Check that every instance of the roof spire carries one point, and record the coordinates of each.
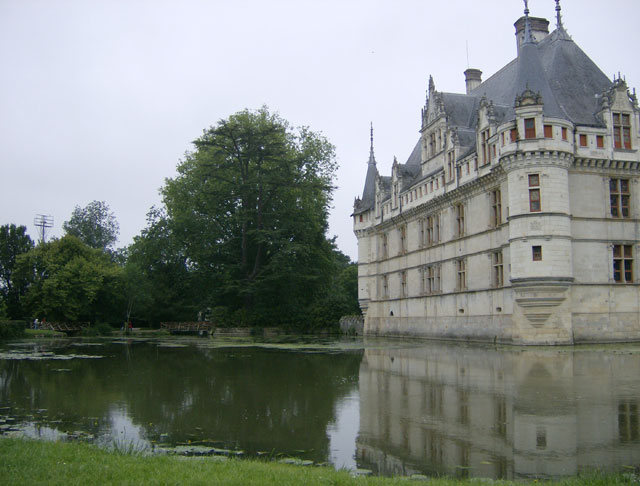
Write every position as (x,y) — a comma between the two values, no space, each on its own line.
(372,159)
(558,16)
(528,37)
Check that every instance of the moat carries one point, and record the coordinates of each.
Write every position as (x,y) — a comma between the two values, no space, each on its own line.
(394,407)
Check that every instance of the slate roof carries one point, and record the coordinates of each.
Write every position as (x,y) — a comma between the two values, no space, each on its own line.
(569,82)
(567,79)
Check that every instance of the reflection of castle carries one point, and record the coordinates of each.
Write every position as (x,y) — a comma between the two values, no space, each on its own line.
(493,413)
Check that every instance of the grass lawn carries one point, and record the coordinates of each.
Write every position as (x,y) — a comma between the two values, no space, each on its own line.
(30,462)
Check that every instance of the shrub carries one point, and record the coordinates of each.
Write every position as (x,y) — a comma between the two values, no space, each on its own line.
(12,329)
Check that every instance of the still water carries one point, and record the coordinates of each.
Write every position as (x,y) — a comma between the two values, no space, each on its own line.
(394,407)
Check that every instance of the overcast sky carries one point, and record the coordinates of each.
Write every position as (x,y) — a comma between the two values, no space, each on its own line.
(99,99)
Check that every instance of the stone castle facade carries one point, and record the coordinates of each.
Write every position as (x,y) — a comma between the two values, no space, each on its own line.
(516,217)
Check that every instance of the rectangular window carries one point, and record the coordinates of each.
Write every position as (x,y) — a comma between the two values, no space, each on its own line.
(536,253)
(431,279)
(384,246)
(530,128)
(548,131)
(498,274)
(403,284)
(620,197)
(513,133)
(621,130)
(599,141)
(385,286)
(451,164)
(461,266)
(623,263)
(459,208)
(403,239)
(583,140)
(628,421)
(564,133)
(496,207)
(484,144)
(534,193)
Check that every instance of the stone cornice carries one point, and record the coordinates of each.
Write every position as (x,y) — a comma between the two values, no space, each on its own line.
(607,165)
(549,158)
(465,191)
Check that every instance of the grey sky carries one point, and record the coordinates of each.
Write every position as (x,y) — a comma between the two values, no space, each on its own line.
(99,99)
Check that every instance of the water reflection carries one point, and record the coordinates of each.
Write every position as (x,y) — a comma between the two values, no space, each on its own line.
(508,413)
(395,407)
(253,399)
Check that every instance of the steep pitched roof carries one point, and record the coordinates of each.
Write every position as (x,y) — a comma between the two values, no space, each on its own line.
(566,78)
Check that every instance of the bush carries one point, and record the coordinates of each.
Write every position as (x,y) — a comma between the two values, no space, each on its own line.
(101,329)
(12,329)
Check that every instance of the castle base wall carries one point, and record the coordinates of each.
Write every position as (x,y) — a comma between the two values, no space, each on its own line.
(579,314)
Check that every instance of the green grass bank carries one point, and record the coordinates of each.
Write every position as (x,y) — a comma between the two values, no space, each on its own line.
(30,462)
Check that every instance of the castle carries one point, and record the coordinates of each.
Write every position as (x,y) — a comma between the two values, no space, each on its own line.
(516,217)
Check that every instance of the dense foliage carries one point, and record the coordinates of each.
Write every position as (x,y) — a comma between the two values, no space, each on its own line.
(14,241)
(94,224)
(240,240)
(12,329)
(68,281)
(243,232)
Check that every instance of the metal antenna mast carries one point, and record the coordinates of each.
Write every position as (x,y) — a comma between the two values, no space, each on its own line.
(43,222)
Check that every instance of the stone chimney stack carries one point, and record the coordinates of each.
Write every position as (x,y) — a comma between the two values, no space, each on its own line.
(539,29)
(473,78)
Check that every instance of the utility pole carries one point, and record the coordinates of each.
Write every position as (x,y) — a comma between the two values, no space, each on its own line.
(43,223)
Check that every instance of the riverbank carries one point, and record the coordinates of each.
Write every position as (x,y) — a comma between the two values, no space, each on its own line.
(51,463)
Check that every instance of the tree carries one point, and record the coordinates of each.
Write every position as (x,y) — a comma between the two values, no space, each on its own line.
(14,241)
(71,282)
(248,210)
(94,224)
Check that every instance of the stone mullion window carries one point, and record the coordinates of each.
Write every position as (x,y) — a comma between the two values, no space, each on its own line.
(623,263)
(620,197)
(498,269)
(535,204)
(496,208)
(622,130)
(403,284)
(460,215)
(461,268)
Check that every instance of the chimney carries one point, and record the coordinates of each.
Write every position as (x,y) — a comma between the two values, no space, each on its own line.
(473,78)
(539,29)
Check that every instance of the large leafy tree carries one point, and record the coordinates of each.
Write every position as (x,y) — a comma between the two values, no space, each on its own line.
(14,241)
(249,211)
(95,225)
(69,281)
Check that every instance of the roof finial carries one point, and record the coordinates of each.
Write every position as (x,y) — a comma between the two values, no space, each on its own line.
(558,16)
(528,38)
(372,159)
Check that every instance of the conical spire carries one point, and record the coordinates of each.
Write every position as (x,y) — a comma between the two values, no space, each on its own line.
(369,192)
(372,158)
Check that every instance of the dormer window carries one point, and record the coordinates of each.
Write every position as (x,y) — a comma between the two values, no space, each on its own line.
(530,128)
(622,130)
(484,142)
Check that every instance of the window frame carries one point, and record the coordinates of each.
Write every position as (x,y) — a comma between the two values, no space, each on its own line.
(529,128)
(496,208)
(536,253)
(461,269)
(621,130)
(623,263)
(460,219)
(497,261)
(535,196)
(619,198)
